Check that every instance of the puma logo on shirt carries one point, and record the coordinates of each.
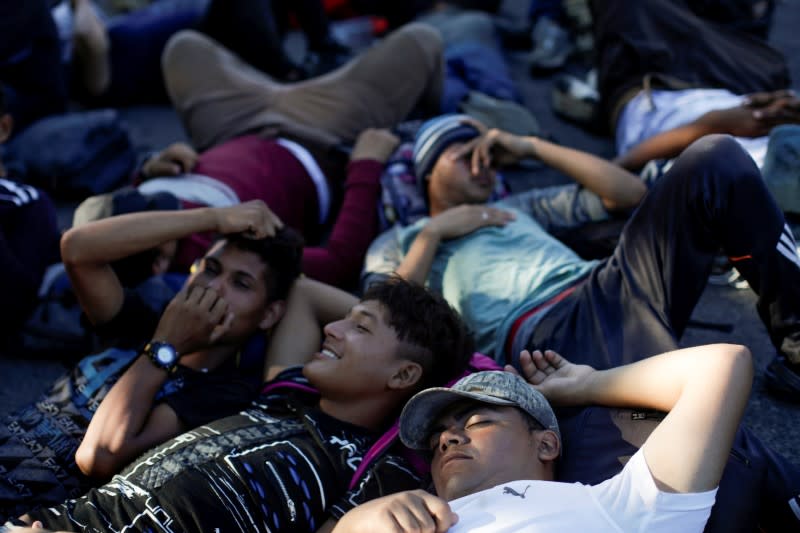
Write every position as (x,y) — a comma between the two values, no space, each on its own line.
(509,490)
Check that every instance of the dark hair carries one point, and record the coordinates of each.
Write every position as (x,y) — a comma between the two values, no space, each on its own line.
(431,330)
(281,254)
(2,100)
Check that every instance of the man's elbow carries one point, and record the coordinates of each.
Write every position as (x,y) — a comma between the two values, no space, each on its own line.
(628,199)
(743,363)
(737,362)
(71,247)
(95,462)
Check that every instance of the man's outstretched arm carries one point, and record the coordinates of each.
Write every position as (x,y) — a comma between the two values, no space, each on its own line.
(704,389)
(617,188)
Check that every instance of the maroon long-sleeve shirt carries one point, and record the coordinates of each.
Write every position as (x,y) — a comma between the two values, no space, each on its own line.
(258,168)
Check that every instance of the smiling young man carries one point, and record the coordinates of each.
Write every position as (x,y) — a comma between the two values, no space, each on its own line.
(494,442)
(285,463)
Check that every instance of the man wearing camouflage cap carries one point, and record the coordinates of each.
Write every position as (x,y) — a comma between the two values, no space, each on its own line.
(494,441)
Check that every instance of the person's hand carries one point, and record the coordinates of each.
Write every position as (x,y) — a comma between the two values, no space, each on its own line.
(459,221)
(561,382)
(775,108)
(377,144)
(253,219)
(175,159)
(756,116)
(195,318)
(412,511)
(739,121)
(495,148)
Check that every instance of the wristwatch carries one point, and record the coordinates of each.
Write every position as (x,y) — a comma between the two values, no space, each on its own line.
(163,355)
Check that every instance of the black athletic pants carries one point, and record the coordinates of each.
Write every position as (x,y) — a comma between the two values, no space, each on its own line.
(639,301)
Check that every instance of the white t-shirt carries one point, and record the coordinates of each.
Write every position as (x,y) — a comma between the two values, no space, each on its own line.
(657,111)
(630,501)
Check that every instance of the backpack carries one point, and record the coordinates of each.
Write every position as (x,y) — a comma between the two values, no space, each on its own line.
(74,155)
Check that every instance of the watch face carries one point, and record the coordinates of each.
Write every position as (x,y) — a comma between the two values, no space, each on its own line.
(165,355)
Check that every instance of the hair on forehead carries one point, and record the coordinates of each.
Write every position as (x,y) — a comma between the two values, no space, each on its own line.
(430,331)
(281,254)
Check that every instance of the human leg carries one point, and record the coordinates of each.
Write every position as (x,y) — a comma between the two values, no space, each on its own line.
(218,96)
(639,302)
(91,48)
(136,43)
(377,89)
(31,70)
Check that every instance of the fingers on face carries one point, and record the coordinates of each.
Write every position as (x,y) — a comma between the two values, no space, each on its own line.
(217,305)
(208,299)
(466,150)
(482,155)
(221,328)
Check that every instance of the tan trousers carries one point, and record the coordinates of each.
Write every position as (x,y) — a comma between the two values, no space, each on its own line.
(219,97)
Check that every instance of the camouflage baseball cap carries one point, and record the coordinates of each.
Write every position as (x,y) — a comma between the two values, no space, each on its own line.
(494,387)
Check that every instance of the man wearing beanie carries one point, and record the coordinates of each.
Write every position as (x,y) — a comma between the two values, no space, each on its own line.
(494,442)
(519,288)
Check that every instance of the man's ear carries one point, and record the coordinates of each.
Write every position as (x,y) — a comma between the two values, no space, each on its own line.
(272,314)
(405,376)
(6,126)
(549,446)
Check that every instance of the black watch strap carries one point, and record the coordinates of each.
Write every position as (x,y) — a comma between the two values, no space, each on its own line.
(163,355)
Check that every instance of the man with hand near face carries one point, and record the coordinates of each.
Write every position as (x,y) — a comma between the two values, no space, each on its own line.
(494,441)
(167,373)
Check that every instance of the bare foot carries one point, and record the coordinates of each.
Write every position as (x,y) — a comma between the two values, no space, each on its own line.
(91,47)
